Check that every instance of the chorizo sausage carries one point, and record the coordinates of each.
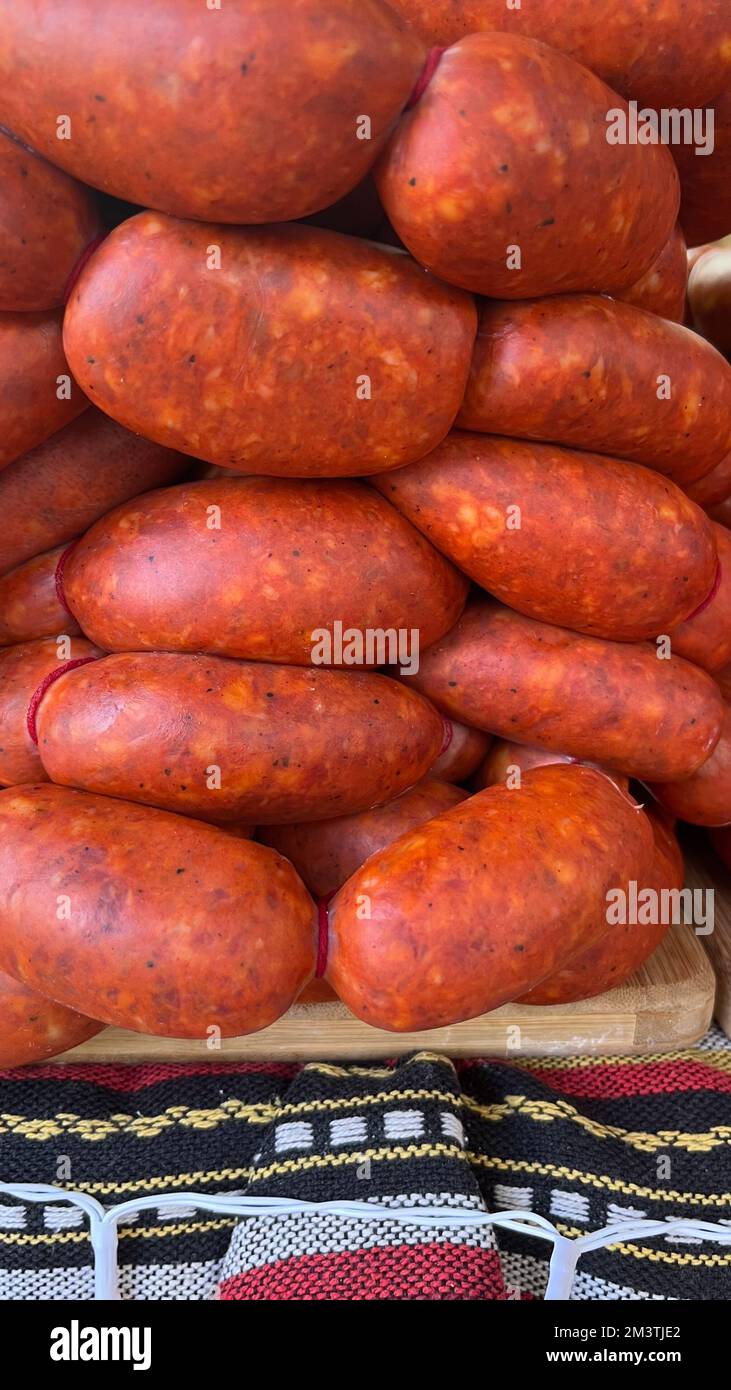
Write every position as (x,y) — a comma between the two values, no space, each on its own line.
(33,1028)
(614,703)
(22,670)
(705,637)
(627,945)
(598,374)
(464,752)
(589,542)
(37,392)
(704,798)
(55,492)
(235,741)
(661,290)
(506,762)
(229,112)
(715,487)
(660,54)
(256,567)
(29,602)
(709,297)
(327,852)
(47,221)
(169,926)
(305,353)
(533,868)
(485,179)
(705,180)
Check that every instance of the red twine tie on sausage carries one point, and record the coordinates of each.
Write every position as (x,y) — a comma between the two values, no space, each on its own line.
(433,59)
(710,596)
(37,696)
(85,256)
(447,739)
(58,578)
(323,927)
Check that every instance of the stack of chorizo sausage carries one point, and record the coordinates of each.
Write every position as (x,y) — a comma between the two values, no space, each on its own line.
(365,465)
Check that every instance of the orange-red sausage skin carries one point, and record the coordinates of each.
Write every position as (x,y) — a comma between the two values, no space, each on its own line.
(715,486)
(231,112)
(22,669)
(173,927)
(54,493)
(33,1028)
(304,354)
(705,637)
(614,703)
(595,373)
(326,853)
(563,536)
(506,762)
(48,220)
(235,741)
(704,798)
(639,48)
(29,603)
(287,559)
(661,290)
(33,371)
(625,946)
(531,867)
(485,179)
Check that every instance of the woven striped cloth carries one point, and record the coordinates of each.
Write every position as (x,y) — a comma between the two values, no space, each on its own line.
(583,1142)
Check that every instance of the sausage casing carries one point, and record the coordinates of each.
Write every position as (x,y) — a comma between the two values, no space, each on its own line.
(235,741)
(325,853)
(627,945)
(260,111)
(54,493)
(148,920)
(302,352)
(533,868)
(29,602)
(252,567)
(615,703)
(564,536)
(598,374)
(37,392)
(22,669)
(485,179)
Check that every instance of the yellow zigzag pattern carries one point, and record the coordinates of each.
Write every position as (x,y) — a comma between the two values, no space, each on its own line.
(538,1111)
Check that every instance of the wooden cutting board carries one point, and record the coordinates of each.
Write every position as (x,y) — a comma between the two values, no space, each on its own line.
(666,1006)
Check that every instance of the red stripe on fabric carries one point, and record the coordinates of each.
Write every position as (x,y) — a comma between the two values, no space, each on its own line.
(621,1080)
(435,1271)
(642,1079)
(130,1078)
